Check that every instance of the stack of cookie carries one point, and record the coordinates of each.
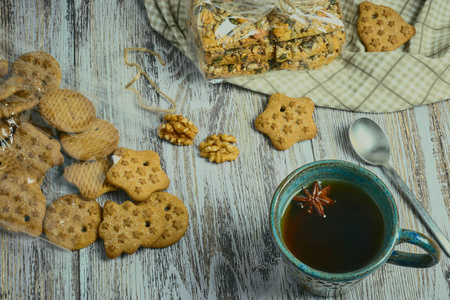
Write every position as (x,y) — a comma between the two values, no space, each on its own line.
(230,43)
(27,152)
(157,220)
(126,227)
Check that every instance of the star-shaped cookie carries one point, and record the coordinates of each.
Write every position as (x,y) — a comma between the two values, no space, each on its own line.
(381,28)
(287,121)
(138,173)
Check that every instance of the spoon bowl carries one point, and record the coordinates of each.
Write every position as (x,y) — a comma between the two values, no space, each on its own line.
(369,141)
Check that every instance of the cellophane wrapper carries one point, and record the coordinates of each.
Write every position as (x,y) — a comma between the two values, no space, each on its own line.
(232,38)
(33,158)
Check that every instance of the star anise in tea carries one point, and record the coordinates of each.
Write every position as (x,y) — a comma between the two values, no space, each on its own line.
(317,200)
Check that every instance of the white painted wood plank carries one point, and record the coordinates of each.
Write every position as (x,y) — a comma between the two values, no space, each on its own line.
(32,268)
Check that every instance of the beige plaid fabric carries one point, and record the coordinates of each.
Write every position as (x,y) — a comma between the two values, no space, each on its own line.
(415,74)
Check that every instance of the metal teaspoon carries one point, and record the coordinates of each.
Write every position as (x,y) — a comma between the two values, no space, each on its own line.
(371,144)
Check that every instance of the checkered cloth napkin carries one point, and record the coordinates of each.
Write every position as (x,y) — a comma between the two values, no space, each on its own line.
(415,74)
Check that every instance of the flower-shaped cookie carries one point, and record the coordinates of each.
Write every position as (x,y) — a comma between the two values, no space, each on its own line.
(138,173)
(287,121)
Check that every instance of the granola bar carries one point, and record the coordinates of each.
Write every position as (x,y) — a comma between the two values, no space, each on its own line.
(311,21)
(302,48)
(221,25)
(310,63)
(254,53)
(227,71)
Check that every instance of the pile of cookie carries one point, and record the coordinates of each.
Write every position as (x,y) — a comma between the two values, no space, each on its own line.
(27,152)
(236,38)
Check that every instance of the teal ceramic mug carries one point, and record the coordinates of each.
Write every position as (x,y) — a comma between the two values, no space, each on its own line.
(331,284)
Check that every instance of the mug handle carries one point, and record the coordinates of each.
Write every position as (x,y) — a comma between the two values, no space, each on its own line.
(405,259)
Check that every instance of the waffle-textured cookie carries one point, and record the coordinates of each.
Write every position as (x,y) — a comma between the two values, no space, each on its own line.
(22,203)
(138,173)
(8,162)
(381,28)
(287,121)
(35,71)
(98,141)
(175,215)
(33,150)
(6,132)
(90,177)
(17,103)
(72,222)
(67,110)
(3,67)
(127,227)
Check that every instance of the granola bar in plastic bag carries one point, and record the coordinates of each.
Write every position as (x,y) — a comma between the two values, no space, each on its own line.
(241,38)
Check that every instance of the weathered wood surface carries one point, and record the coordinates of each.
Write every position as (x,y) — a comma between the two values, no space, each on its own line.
(227,251)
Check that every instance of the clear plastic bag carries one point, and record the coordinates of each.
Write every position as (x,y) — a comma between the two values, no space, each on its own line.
(58,143)
(30,142)
(53,147)
(241,38)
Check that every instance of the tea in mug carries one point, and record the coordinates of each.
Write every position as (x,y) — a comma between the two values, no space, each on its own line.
(348,237)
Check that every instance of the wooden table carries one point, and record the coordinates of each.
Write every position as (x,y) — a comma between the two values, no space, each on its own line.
(227,251)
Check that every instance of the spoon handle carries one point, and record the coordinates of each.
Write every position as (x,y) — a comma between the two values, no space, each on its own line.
(423,214)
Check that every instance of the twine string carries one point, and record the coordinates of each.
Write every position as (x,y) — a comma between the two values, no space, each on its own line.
(138,75)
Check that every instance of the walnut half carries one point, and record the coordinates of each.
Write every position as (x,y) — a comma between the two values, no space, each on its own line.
(218,148)
(178,130)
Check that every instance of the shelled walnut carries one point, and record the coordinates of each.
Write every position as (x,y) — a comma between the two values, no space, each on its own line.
(178,130)
(218,148)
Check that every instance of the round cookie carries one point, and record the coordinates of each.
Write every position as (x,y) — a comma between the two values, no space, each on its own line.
(36,71)
(39,68)
(22,203)
(127,227)
(98,141)
(67,110)
(72,222)
(175,214)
